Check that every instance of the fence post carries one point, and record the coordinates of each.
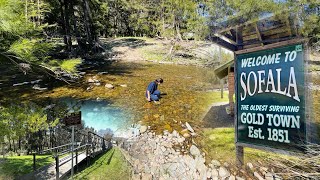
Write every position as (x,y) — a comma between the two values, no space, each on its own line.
(34,161)
(87,157)
(76,160)
(57,167)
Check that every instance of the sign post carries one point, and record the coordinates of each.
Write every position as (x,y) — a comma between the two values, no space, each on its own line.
(271,99)
(72,120)
(72,144)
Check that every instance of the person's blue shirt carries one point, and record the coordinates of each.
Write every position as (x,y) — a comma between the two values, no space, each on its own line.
(154,93)
(152,87)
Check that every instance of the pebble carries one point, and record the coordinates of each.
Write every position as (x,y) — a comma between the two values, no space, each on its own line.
(109,86)
(186,135)
(214,173)
(258,176)
(223,172)
(215,163)
(189,127)
(143,129)
(194,150)
(90,80)
(250,165)
(239,178)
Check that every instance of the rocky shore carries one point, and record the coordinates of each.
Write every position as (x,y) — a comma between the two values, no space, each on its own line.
(172,156)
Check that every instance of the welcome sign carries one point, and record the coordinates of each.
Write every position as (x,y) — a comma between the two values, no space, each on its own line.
(271,98)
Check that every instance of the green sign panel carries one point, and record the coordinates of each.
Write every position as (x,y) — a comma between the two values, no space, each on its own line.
(271,98)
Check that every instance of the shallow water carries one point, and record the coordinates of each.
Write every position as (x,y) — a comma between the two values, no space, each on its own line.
(189,93)
(101,115)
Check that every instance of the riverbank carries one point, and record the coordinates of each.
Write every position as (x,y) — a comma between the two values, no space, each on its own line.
(174,156)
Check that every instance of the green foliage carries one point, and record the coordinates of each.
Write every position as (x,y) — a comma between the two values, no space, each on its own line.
(19,119)
(31,50)
(69,65)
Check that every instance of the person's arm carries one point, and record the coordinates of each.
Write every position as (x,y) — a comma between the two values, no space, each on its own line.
(148,96)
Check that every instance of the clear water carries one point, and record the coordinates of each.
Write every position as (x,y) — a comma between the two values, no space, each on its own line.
(101,114)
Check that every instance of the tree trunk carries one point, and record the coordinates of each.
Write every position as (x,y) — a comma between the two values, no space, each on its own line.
(19,145)
(63,22)
(162,17)
(67,25)
(14,146)
(87,20)
(178,32)
(74,20)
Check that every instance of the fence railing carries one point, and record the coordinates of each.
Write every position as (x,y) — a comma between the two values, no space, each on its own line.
(91,144)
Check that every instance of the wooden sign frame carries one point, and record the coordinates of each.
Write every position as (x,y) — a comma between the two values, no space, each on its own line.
(72,119)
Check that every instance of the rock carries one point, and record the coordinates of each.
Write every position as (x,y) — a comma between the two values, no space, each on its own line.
(225,164)
(239,178)
(189,127)
(143,129)
(163,149)
(232,177)
(268,176)
(186,135)
(104,72)
(146,176)
(214,173)
(263,170)
(97,84)
(223,172)
(250,165)
(37,87)
(175,133)
(136,177)
(193,134)
(89,88)
(109,86)
(258,176)
(20,84)
(90,80)
(184,131)
(123,85)
(215,163)
(194,150)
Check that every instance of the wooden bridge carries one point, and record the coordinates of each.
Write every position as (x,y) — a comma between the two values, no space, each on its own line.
(70,155)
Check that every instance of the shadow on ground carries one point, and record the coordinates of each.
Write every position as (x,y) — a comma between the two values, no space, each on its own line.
(127,42)
(217,117)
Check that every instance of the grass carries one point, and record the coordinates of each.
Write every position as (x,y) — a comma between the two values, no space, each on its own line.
(70,64)
(111,165)
(15,166)
(219,144)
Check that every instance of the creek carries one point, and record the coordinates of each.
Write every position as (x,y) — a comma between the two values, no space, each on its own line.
(189,90)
